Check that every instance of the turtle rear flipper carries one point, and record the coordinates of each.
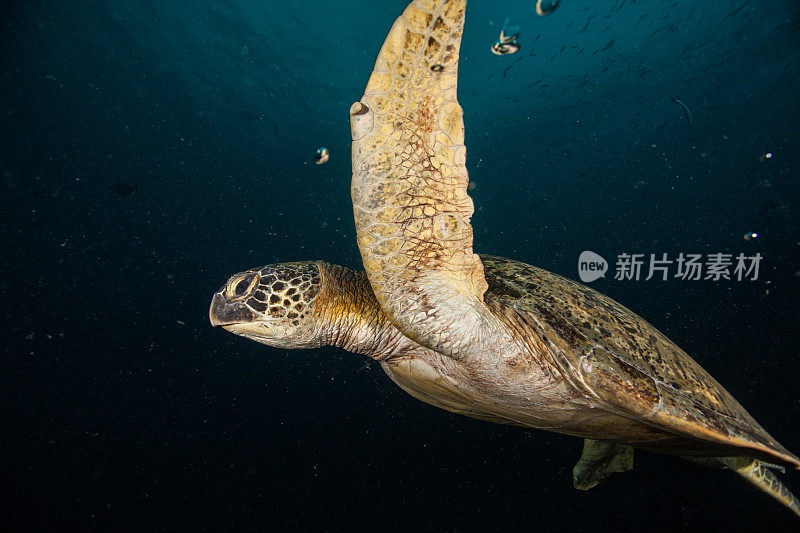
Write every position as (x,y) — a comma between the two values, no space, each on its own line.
(599,460)
(757,473)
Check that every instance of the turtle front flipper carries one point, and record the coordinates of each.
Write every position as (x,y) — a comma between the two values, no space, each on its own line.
(409,186)
(599,460)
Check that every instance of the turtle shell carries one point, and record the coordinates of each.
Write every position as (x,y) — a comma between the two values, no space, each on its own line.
(626,367)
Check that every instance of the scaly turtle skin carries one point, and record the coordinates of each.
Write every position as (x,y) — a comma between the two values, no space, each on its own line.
(486,337)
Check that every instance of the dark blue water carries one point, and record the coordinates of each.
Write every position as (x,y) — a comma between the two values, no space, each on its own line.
(151,149)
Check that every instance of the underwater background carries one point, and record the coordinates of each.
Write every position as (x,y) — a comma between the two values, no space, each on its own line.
(151,149)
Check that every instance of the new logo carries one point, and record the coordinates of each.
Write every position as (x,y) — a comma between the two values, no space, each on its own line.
(591,266)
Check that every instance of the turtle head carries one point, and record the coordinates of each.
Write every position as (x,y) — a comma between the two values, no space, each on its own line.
(272,305)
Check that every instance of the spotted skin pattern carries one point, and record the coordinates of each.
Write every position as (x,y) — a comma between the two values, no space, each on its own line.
(285,290)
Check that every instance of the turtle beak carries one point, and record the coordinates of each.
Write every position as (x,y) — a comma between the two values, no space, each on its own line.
(224,313)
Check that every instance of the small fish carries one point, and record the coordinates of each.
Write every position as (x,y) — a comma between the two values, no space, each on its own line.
(507,43)
(545,7)
(608,45)
(509,33)
(505,72)
(689,115)
(586,26)
(500,48)
(751,236)
(322,156)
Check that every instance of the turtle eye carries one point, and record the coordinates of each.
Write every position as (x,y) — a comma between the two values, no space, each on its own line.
(241,287)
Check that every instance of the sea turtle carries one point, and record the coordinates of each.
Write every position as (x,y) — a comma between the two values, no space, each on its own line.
(483,336)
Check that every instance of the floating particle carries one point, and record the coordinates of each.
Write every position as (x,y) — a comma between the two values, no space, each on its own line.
(751,236)
(322,156)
